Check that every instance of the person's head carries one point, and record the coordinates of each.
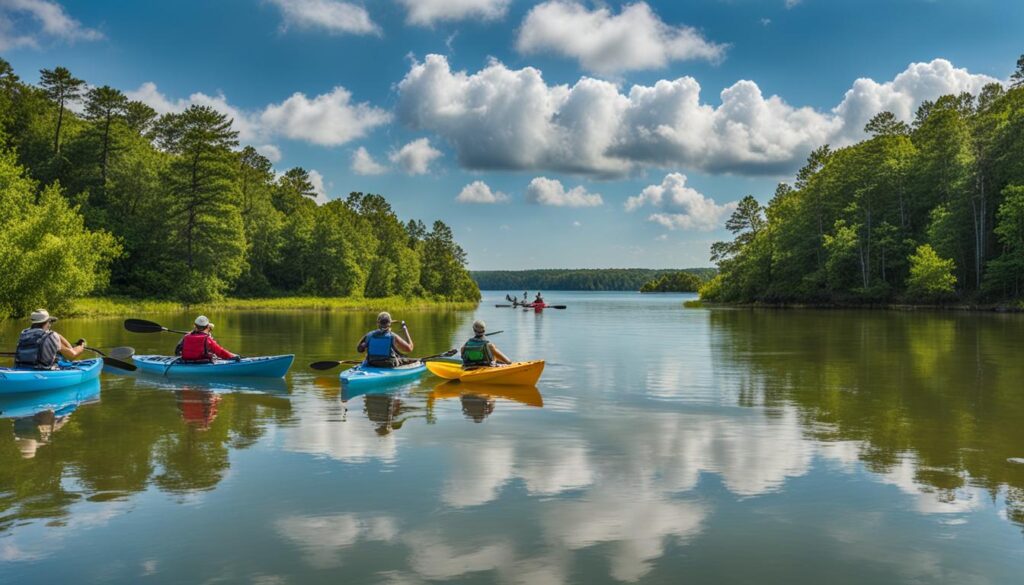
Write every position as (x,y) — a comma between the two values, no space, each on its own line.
(479,327)
(384,320)
(203,324)
(41,319)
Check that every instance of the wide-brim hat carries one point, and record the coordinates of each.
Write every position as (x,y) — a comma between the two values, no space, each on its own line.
(41,316)
(203,321)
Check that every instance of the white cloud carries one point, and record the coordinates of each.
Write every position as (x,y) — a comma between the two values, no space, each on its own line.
(634,39)
(246,123)
(415,157)
(328,119)
(480,192)
(48,19)
(429,12)
(510,119)
(545,191)
(363,163)
(685,207)
(330,15)
(270,151)
(317,180)
(792,3)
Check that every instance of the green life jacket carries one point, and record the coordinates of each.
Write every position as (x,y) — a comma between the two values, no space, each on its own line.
(477,352)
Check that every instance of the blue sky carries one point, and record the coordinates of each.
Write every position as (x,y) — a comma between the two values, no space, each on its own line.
(603,134)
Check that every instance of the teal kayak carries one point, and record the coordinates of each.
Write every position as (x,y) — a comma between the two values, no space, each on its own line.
(275,366)
(17,380)
(364,375)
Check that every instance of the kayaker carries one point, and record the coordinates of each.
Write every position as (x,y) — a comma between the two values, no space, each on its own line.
(479,351)
(383,347)
(199,346)
(40,346)
(538,300)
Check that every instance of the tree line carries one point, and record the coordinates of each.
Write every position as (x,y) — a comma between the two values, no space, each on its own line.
(677,282)
(584,279)
(121,200)
(924,212)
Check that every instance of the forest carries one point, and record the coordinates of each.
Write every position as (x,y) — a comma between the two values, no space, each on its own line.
(584,279)
(675,282)
(101,195)
(926,212)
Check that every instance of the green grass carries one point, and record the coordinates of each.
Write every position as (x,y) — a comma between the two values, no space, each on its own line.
(695,304)
(100,306)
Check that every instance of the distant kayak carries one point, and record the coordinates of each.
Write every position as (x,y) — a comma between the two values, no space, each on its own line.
(524,373)
(364,375)
(16,380)
(275,366)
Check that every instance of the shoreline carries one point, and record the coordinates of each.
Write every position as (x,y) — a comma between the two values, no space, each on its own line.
(108,306)
(902,307)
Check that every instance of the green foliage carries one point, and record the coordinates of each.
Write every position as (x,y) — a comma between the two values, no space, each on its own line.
(593,279)
(47,256)
(931,276)
(675,282)
(1006,273)
(849,227)
(195,218)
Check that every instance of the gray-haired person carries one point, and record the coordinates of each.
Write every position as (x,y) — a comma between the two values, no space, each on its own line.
(384,347)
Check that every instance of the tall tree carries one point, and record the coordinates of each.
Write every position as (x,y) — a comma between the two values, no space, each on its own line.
(139,117)
(63,89)
(102,106)
(1017,78)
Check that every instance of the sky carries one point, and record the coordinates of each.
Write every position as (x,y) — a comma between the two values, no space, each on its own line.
(551,134)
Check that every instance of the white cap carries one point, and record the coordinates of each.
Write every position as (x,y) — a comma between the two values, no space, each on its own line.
(384,318)
(203,321)
(479,326)
(41,316)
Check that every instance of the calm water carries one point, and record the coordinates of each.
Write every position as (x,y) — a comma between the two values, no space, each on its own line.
(662,445)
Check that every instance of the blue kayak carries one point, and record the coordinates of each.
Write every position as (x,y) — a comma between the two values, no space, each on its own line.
(62,401)
(17,380)
(364,375)
(275,366)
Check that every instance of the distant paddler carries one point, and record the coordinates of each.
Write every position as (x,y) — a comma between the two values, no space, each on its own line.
(479,351)
(384,347)
(199,346)
(40,347)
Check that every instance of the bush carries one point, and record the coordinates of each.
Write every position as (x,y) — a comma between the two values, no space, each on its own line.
(931,276)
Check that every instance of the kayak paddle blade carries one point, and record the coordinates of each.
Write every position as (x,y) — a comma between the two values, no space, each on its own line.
(121,353)
(142,326)
(116,363)
(324,365)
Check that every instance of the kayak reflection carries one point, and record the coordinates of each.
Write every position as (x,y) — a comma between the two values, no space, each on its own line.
(479,400)
(38,415)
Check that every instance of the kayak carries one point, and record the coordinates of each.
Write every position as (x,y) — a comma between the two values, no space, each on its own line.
(16,380)
(364,375)
(524,373)
(274,366)
(62,401)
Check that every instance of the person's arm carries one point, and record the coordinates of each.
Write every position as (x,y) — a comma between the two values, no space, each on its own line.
(498,356)
(361,348)
(404,344)
(70,351)
(219,351)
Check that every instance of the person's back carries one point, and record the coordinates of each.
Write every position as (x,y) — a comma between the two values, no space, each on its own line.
(37,348)
(199,346)
(479,352)
(382,345)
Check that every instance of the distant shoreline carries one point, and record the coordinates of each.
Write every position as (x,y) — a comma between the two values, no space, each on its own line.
(106,306)
(902,307)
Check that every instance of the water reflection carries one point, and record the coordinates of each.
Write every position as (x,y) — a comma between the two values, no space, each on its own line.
(38,415)
(478,401)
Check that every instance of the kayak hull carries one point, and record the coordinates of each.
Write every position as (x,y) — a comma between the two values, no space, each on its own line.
(275,366)
(62,401)
(19,380)
(518,373)
(364,375)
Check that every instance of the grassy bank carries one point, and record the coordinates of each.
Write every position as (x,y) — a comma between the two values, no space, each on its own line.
(101,306)
(1017,307)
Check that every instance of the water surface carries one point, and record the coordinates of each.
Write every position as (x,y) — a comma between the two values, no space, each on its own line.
(662,445)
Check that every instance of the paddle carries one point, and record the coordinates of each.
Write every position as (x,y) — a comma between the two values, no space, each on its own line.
(326,365)
(142,326)
(114,362)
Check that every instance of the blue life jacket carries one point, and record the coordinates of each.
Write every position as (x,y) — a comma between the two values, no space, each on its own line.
(379,345)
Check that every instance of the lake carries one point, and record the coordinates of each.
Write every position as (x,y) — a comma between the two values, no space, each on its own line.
(661,445)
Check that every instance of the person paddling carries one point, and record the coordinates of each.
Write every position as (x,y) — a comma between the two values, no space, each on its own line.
(479,351)
(40,347)
(538,300)
(199,346)
(383,347)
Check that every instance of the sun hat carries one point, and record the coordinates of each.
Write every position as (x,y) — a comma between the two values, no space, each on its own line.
(41,316)
(203,321)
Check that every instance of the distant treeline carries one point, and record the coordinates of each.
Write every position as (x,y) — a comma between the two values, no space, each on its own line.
(677,282)
(595,279)
(922,212)
(121,200)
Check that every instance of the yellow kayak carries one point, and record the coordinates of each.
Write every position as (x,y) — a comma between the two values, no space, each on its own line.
(528,395)
(518,373)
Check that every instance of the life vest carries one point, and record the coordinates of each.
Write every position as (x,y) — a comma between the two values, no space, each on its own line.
(36,349)
(380,349)
(477,352)
(195,348)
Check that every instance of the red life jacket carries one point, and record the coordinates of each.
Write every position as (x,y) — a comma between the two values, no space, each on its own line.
(195,348)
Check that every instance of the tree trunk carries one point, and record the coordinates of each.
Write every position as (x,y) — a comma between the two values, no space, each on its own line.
(60,121)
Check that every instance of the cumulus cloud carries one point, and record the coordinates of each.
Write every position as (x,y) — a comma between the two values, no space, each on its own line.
(270,151)
(319,187)
(23,23)
(363,163)
(511,119)
(545,191)
(330,15)
(604,42)
(415,157)
(428,12)
(480,192)
(684,207)
(328,119)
